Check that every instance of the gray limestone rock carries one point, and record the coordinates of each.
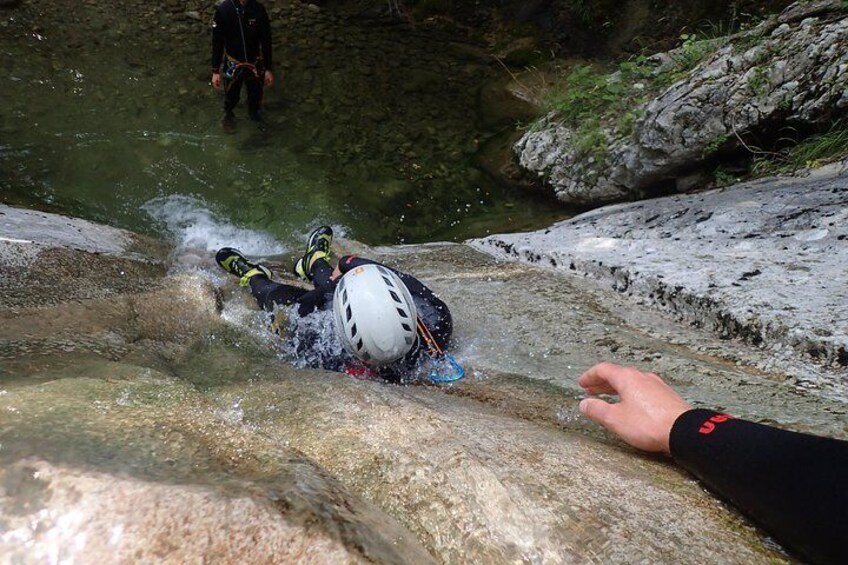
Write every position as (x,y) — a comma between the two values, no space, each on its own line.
(138,424)
(763,262)
(788,70)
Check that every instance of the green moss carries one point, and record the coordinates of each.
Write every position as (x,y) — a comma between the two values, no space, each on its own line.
(591,141)
(758,82)
(586,96)
(715,145)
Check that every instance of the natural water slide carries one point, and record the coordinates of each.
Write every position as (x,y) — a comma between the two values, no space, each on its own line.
(148,415)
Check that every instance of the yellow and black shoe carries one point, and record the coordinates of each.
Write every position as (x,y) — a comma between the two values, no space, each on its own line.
(318,247)
(232,261)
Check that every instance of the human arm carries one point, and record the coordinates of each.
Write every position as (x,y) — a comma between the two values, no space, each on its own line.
(647,410)
(792,484)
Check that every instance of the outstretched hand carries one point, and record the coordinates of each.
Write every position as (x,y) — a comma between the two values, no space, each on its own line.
(647,410)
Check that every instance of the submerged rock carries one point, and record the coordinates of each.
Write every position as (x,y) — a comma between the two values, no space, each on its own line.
(787,71)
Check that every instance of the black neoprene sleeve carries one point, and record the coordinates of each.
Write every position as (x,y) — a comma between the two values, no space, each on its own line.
(794,485)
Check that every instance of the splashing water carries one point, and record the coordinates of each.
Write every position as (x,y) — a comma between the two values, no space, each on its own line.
(194,226)
(232,414)
(312,341)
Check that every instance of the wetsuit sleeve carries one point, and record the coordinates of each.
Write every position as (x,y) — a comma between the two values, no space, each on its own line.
(218,38)
(265,39)
(794,485)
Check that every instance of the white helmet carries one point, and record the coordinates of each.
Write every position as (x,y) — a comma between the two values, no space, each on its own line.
(374,314)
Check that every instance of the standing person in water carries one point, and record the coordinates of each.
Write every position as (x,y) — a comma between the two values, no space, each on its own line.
(384,318)
(241,55)
(794,485)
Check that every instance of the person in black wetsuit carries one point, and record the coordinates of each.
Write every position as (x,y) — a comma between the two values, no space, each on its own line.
(315,266)
(241,54)
(794,485)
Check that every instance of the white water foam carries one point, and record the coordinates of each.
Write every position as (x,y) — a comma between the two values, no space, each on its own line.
(198,233)
(312,341)
(194,226)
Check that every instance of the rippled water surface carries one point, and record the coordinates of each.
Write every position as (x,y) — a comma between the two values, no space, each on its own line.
(374,127)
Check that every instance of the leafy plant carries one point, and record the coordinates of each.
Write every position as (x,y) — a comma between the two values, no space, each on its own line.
(811,153)
(585,96)
(715,145)
(695,47)
(591,141)
(758,82)
(724,177)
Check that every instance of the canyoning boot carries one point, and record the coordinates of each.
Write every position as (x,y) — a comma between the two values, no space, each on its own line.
(318,247)
(232,261)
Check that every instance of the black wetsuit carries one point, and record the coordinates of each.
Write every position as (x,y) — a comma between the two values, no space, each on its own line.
(253,49)
(794,485)
(431,309)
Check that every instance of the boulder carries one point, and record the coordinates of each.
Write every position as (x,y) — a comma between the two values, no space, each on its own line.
(789,70)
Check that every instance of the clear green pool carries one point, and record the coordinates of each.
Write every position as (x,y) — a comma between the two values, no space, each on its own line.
(371,126)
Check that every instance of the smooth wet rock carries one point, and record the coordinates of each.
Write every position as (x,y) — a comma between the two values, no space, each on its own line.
(763,261)
(191,424)
(123,463)
(45,259)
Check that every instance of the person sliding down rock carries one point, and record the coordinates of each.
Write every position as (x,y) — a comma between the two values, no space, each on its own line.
(794,485)
(384,318)
(242,54)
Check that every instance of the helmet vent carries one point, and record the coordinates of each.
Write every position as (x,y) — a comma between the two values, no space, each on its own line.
(344,296)
(403,325)
(359,345)
(395,297)
(348,313)
(402,313)
(388,282)
(353,330)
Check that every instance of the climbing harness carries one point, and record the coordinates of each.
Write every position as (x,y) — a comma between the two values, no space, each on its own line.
(232,66)
(446,369)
